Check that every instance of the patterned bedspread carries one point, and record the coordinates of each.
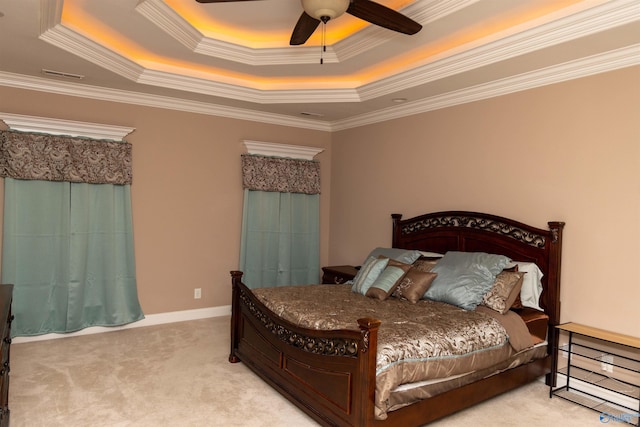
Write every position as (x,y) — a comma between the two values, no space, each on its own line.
(416,342)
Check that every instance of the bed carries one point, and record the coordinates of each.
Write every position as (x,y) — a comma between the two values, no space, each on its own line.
(331,374)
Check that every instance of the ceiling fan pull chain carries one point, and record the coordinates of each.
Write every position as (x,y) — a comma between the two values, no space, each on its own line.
(324,46)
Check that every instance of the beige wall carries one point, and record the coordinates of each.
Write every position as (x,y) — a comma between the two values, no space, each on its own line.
(568,152)
(186,193)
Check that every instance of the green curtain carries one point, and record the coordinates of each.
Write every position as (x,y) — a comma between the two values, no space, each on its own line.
(280,239)
(68,249)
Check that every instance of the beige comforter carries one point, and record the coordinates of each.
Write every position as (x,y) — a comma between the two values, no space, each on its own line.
(416,342)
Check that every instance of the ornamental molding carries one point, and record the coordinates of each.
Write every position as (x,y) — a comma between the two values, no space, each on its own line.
(22,123)
(281,150)
(494,226)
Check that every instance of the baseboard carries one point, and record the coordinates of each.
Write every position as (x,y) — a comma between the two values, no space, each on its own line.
(149,320)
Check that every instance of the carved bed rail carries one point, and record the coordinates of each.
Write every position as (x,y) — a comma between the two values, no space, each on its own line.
(328,374)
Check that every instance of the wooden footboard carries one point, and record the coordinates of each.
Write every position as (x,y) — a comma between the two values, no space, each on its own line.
(328,374)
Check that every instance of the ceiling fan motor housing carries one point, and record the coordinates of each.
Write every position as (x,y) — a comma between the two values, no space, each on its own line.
(320,9)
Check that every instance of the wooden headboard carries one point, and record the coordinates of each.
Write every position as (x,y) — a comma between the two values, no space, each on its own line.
(477,232)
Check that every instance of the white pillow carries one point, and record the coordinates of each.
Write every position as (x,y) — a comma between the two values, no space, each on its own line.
(407,256)
(431,254)
(531,285)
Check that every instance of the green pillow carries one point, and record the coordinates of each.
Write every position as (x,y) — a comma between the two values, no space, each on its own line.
(388,280)
(368,273)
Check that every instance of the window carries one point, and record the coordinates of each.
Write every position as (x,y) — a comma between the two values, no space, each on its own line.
(281,217)
(67,245)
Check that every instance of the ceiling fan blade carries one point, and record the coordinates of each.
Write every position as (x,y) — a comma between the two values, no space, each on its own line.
(383,16)
(305,26)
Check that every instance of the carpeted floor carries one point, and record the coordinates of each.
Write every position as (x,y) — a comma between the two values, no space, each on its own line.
(177,374)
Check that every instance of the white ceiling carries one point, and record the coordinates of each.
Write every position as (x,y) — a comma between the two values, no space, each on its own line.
(233,59)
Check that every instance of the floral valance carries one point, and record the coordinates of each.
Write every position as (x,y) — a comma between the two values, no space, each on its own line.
(36,156)
(280,174)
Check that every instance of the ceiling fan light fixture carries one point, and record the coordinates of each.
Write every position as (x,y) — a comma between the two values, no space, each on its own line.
(325,8)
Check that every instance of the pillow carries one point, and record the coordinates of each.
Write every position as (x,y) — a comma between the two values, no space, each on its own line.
(424,264)
(504,291)
(408,256)
(531,284)
(414,284)
(368,273)
(430,255)
(387,281)
(464,277)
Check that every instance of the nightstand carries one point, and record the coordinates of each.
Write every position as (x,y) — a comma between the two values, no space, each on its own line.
(338,274)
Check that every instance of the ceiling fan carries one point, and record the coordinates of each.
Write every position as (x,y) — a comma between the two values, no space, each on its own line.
(316,11)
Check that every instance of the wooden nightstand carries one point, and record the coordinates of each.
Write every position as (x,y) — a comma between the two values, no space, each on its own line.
(338,274)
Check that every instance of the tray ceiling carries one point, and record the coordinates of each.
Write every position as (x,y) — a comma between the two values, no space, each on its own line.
(233,59)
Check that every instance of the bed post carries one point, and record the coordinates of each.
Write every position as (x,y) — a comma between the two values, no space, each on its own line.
(236,277)
(365,404)
(396,229)
(553,296)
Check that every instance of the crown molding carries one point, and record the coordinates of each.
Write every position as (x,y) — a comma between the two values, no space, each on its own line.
(50,14)
(64,38)
(608,61)
(243,93)
(605,62)
(165,18)
(372,36)
(282,150)
(290,55)
(589,21)
(147,100)
(601,63)
(51,126)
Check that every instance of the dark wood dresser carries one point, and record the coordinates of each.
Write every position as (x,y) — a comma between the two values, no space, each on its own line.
(6,292)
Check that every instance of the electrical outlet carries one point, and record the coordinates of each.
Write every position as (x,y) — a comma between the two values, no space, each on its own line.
(606,361)
(197,293)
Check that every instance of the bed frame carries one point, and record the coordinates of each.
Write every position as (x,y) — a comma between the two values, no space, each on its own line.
(331,374)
